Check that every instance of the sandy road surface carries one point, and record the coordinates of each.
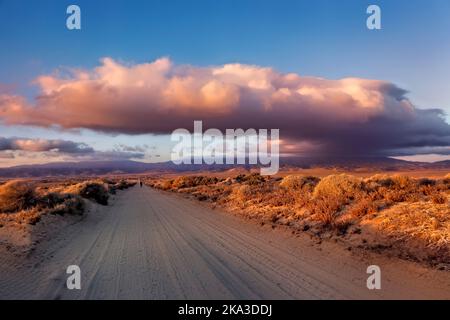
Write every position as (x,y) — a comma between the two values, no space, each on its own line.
(153,245)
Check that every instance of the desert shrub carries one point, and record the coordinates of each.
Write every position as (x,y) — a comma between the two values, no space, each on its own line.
(52,199)
(332,194)
(363,207)
(61,203)
(267,194)
(378,180)
(279,198)
(150,183)
(298,182)
(108,181)
(251,179)
(326,210)
(438,198)
(254,179)
(292,182)
(24,204)
(93,190)
(193,181)
(403,182)
(399,188)
(74,205)
(420,230)
(123,184)
(446,179)
(341,186)
(427,190)
(242,193)
(16,196)
(393,195)
(29,216)
(166,185)
(426,182)
(398,182)
(71,204)
(114,185)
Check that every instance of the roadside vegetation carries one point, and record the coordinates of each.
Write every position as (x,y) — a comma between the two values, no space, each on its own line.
(25,202)
(391,213)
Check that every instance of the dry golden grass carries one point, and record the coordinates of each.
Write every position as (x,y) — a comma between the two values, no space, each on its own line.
(402,208)
(26,202)
(342,186)
(299,182)
(93,190)
(193,181)
(16,196)
(332,194)
(20,202)
(422,229)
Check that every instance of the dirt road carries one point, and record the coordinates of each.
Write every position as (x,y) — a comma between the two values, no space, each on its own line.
(152,245)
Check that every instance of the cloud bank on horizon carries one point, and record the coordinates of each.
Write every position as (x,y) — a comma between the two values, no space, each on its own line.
(43,145)
(41,150)
(351,116)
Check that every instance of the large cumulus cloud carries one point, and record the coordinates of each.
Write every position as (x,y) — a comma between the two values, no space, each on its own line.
(347,116)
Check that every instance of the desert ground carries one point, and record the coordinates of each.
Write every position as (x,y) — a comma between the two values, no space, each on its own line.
(228,235)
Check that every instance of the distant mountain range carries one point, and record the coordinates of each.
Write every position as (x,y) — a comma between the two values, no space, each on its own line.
(88,168)
(372,163)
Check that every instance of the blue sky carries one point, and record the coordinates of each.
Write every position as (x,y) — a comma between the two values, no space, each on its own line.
(320,38)
(324,38)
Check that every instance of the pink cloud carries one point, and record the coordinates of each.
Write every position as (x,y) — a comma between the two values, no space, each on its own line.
(158,97)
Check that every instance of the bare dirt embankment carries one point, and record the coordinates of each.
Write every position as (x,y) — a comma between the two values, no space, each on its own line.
(148,244)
